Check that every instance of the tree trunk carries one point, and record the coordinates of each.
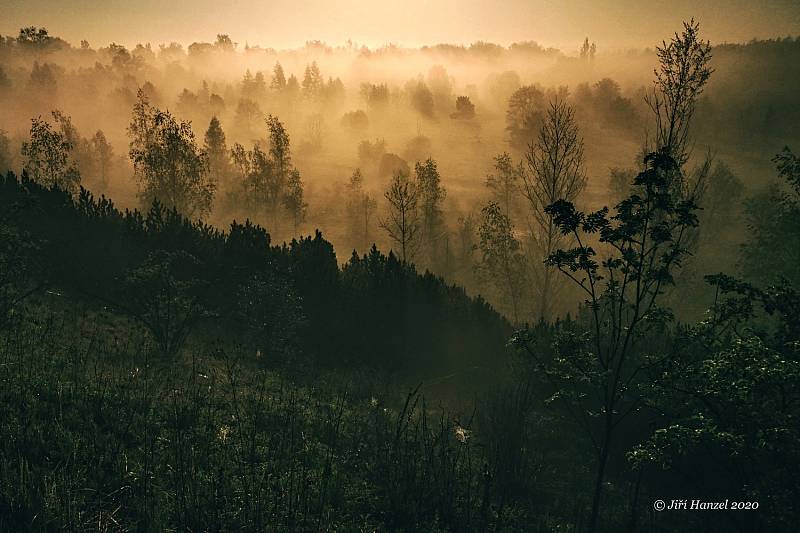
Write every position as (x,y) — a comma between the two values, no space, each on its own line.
(601,472)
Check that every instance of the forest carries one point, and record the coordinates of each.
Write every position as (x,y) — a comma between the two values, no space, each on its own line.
(443,288)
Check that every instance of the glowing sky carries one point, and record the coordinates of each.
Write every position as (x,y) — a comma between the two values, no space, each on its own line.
(289,23)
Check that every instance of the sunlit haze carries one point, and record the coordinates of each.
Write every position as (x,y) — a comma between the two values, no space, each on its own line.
(290,23)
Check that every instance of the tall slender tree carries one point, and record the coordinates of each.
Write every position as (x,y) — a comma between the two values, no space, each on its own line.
(555,172)
(402,221)
(104,154)
(360,208)
(216,149)
(431,195)
(505,184)
(278,82)
(502,262)
(293,199)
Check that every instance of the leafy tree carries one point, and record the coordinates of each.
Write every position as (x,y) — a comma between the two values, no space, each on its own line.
(502,86)
(431,194)
(402,221)
(81,155)
(525,114)
(419,148)
(241,161)
(502,262)
(257,175)
(772,250)
(603,103)
(505,184)
(281,158)
(555,172)
(356,120)
(224,43)
(620,180)
(421,98)
(596,375)
(248,114)
(465,109)
(371,153)
(48,159)
(43,78)
(391,164)
(38,39)
(270,181)
(279,147)
(142,53)
(293,199)
(441,84)
(167,162)
(729,401)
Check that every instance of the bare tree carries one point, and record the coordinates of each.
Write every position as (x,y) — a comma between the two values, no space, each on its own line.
(402,222)
(555,172)
(360,207)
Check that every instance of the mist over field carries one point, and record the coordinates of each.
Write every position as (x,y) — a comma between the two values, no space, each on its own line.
(454,287)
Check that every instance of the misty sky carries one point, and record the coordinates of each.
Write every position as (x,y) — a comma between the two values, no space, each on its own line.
(289,23)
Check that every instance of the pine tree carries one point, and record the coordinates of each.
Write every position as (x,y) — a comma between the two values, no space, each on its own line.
(217,152)
(278,82)
(312,82)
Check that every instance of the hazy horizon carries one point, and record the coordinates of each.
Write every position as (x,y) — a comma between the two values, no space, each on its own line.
(283,25)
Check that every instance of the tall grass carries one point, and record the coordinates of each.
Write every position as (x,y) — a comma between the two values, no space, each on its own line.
(101,434)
